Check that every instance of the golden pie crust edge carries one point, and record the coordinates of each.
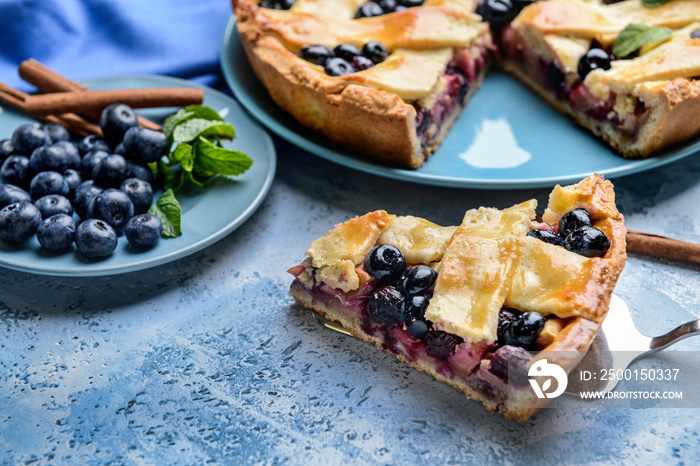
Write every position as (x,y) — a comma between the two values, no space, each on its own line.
(375,123)
(567,350)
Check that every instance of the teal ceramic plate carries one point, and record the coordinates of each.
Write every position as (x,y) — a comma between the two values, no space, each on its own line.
(505,138)
(206,218)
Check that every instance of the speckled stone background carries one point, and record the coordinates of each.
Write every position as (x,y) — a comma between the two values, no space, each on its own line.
(207,359)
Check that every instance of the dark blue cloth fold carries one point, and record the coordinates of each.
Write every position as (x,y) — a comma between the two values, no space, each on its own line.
(94,38)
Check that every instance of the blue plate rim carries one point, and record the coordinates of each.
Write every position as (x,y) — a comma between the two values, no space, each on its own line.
(415,176)
(97,269)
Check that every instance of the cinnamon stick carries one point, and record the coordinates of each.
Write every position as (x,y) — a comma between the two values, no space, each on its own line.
(47,80)
(70,121)
(91,101)
(661,246)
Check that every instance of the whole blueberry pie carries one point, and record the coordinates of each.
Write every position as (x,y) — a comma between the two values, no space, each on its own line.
(475,305)
(387,78)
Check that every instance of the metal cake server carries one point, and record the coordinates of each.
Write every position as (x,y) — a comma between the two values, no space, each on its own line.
(617,345)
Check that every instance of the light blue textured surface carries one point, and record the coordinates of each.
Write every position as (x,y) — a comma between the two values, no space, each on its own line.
(207,358)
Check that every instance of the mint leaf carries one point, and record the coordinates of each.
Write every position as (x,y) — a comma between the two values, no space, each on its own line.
(635,36)
(207,113)
(173,120)
(191,129)
(168,211)
(654,3)
(217,160)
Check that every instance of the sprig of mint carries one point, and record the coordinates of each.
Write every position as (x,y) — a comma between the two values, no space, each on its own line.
(634,36)
(195,134)
(654,3)
(168,211)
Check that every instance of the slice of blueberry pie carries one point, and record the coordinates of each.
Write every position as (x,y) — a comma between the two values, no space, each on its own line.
(474,305)
(629,71)
(385,78)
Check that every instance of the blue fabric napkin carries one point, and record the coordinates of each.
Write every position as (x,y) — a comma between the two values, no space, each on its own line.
(93,38)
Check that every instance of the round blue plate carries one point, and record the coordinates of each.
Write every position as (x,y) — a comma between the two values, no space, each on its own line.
(206,217)
(506,137)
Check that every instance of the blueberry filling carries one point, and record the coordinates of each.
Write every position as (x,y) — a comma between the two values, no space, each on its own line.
(345,58)
(277,4)
(577,234)
(594,59)
(695,34)
(498,13)
(384,7)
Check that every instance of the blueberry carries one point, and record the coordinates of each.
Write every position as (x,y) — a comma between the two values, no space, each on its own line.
(506,316)
(411,3)
(592,60)
(695,34)
(112,206)
(95,238)
(16,170)
(417,279)
(388,6)
(56,233)
(524,330)
(385,263)
(6,149)
(441,344)
(574,220)
(587,241)
(418,328)
(90,161)
(28,137)
(134,170)
(49,182)
(277,4)
(73,179)
(47,158)
(84,193)
(72,154)
(10,194)
(56,132)
(361,63)
(140,193)
(18,222)
(414,307)
(338,67)
(511,364)
(144,145)
(497,12)
(91,143)
(115,120)
(385,304)
(110,171)
(347,52)
(121,149)
(53,204)
(316,54)
(546,236)
(143,231)
(375,51)
(369,10)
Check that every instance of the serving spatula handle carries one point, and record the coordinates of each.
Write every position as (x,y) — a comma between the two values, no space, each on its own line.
(679,333)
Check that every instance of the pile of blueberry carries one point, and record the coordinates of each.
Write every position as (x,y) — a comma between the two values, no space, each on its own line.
(384,7)
(345,58)
(105,182)
(577,234)
(404,296)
